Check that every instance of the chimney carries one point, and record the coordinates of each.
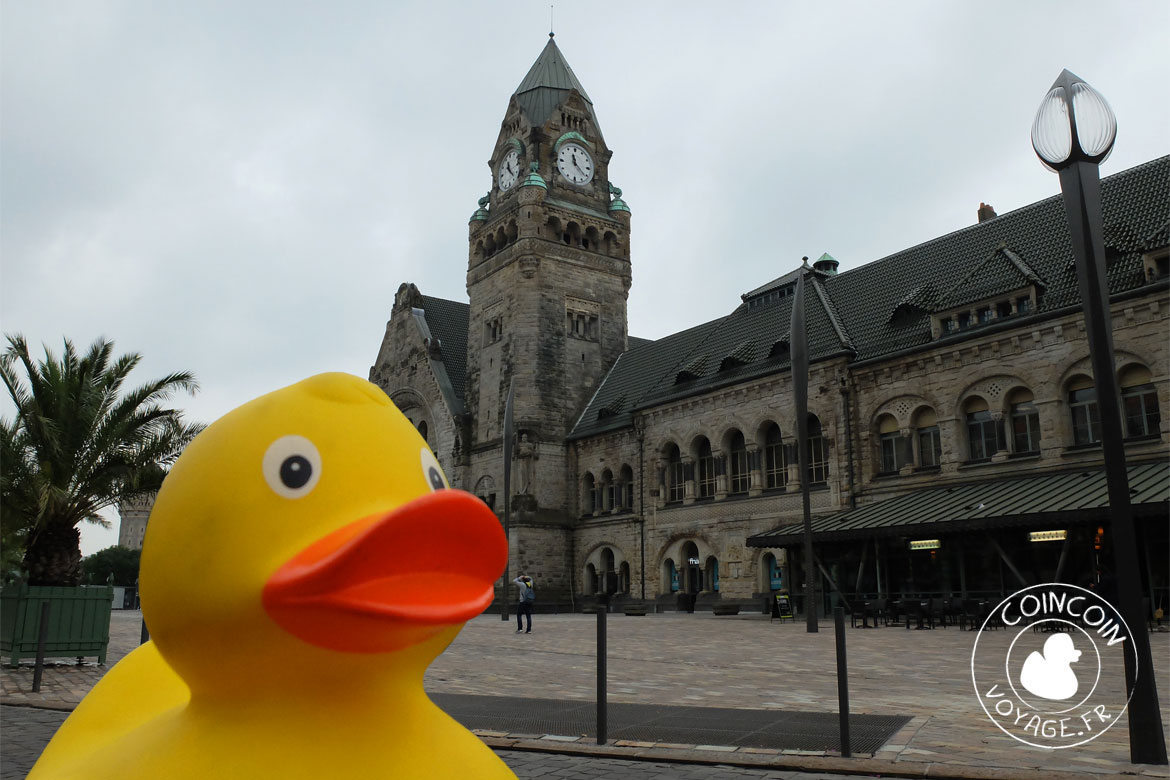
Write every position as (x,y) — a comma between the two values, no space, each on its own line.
(986,212)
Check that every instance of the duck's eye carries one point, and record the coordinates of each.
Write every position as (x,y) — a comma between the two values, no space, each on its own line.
(292,466)
(432,471)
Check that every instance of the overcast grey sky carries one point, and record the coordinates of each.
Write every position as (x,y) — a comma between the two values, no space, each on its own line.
(238,188)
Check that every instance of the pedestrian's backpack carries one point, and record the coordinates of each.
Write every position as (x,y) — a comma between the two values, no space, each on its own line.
(529,593)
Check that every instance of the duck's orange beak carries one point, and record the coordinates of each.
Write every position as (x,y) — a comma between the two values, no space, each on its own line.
(389,581)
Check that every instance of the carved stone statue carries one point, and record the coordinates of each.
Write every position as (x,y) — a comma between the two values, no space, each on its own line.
(526,456)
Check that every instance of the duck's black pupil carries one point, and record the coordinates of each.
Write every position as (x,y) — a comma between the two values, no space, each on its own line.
(435,477)
(295,472)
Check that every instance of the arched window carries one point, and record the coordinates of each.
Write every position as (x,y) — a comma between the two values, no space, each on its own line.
(676,487)
(627,488)
(711,573)
(591,579)
(607,491)
(984,435)
(775,466)
(740,475)
(589,495)
(706,470)
(607,575)
(894,450)
(929,444)
(485,490)
(624,577)
(1025,422)
(818,452)
(1139,401)
(1082,407)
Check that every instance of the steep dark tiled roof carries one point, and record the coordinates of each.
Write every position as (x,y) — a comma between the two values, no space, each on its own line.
(634,370)
(447,321)
(884,307)
(1002,272)
(1037,234)
(547,85)
(695,360)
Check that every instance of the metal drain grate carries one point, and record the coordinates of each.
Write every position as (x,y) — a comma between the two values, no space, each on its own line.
(776,729)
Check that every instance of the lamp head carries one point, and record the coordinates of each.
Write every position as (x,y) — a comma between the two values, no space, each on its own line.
(1073,124)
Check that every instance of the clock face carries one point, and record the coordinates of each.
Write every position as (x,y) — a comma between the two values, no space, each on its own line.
(575,164)
(509,170)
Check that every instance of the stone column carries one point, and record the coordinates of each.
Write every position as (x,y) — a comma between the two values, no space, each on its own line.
(719,459)
(907,444)
(755,463)
(660,466)
(793,467)
(1001,452)
(689,479)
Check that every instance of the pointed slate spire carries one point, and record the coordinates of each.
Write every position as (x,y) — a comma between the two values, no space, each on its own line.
(547,85)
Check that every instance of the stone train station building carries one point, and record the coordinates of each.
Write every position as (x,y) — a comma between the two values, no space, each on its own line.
(952,417)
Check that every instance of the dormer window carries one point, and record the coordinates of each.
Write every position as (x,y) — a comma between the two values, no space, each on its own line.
(984,315)
(964,320)
(1023,305)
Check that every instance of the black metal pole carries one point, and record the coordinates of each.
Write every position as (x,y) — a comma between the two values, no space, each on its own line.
(42,638)
(507,496)
(842,681)
(1081,185)
(798,346)
(601,654)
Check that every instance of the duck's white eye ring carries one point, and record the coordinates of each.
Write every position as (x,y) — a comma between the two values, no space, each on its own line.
(292,466)
(432,470)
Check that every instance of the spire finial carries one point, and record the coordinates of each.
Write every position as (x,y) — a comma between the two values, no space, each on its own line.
(551,26)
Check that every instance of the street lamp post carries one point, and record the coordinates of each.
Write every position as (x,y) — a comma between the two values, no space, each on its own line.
(798,346)
(1072,134)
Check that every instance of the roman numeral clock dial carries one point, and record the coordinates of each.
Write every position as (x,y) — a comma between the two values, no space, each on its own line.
(575,164)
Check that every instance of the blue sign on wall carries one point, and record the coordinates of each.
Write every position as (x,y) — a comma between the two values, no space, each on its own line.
(673,577)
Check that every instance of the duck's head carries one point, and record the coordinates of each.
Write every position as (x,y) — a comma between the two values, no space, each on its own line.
(312,524)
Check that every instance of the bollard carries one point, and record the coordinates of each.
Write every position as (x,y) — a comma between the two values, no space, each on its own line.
(42,638)
(601,703)
(842,681)
(144,637)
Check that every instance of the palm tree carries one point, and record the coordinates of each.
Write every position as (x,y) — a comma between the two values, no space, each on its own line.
(76,445)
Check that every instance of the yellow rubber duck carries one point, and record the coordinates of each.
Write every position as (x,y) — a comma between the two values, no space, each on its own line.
(303,564)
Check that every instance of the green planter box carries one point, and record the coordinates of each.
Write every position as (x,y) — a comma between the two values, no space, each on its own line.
(79,621)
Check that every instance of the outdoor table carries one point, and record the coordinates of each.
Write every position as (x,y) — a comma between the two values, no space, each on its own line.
(919,606)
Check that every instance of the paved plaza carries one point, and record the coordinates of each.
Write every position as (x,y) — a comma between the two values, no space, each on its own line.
(743,661)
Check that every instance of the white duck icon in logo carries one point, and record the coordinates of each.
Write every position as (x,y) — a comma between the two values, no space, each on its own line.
(1049,675)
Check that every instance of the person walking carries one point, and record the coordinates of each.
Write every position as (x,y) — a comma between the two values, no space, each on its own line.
(527,598)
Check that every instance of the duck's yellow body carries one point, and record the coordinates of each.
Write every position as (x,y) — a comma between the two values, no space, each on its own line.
(303,565)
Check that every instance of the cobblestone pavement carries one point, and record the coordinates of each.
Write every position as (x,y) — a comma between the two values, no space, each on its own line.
(733,661)
(26,732)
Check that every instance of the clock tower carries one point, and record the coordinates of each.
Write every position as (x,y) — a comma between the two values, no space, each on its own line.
(548,275)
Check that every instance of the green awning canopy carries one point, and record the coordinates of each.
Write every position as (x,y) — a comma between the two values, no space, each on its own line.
(1040,502)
